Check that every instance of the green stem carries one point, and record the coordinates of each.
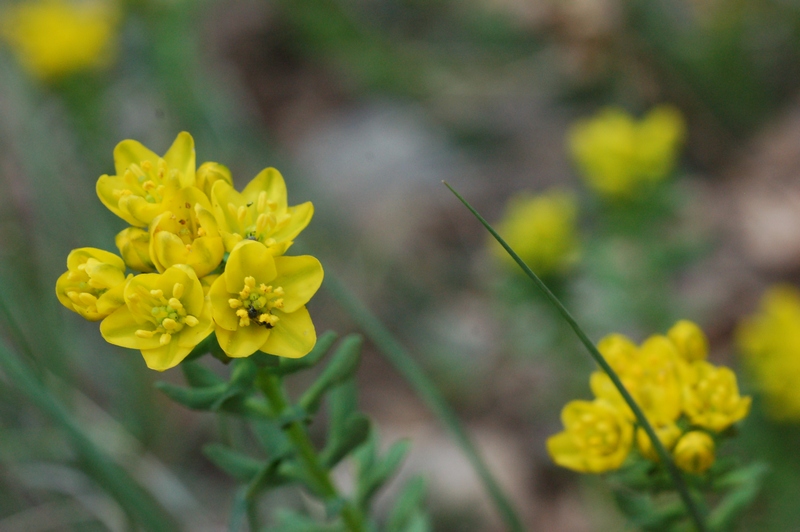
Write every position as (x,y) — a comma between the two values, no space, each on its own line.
(272,387)
(425,388)
(663,455)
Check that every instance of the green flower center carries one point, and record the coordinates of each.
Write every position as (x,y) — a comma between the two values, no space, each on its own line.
(168,315)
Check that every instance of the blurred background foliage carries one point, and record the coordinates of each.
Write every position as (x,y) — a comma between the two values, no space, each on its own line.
(365,106)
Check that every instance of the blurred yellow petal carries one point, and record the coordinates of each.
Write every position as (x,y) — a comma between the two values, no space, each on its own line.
(120,327)
(191,336)
(166,356)
(130,152)
(224,316)
(181,156)
(300,217)
(270,181)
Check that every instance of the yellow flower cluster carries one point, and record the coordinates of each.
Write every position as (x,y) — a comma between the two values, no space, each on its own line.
(685,398)
(205,258)
(542,229)
(617,156)
(53,38)
(770,344)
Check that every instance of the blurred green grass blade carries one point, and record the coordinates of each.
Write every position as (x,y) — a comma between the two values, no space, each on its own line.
(137,503)
(425,388)
(675,474)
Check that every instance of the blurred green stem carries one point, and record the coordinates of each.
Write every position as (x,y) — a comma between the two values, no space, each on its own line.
(425,388)
(272,387)
(137,503)
(663,455)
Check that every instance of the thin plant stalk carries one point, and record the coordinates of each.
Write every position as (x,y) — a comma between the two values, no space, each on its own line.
(402,361)
(675,474)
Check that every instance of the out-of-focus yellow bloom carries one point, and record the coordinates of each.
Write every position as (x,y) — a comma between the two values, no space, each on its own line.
(259,302)
(145,181)
(209,173)
(542,229)
(770,344)
(668,434)
(618,351)
(93,284)
(690,340)
(653,378)
(53,38)
(711,397)
(134,246)
(617,155)
(165,316)
(694,452)
(597,437)
(186,233)
(260,212)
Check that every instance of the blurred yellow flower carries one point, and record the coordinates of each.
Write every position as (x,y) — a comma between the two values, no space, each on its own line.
(694,452)
(690,340)
(259,302)
(711,397)
(770,344)
(209,173)
(617,155)
(145,181)
(597,437)
(165,316)
(259,213)
(53,38)
(93,284)
(186,233)
(668,434)
(134,247)
(542,229)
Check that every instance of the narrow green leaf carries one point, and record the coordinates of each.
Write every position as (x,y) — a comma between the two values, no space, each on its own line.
(341,367)
(407,509)
(238,510)
(381,471)
(321,348)
(198,376)
(342,403)
(353,433)
(236,464)
(194,398)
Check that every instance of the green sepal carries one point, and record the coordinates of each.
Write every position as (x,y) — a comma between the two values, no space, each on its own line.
(198,376)
(194,398)
(342,441)
(407,514)
(236,464)
(341,367)
(321,348)
(379,471)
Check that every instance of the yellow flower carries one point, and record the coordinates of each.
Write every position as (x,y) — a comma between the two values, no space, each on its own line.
(711,397)
(617,155)
(542,230)
(134,246)
(694,452)
(259,213)
(210,173)
(144,181)
(93,284)
(597,437)
(618,350)
(690,340)
(53,38)
(668,434)
(653,378)
(770,344)
(186,233)
(259,302)
(165,316)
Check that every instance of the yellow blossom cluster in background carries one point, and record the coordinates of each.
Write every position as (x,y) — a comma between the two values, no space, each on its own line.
(770,344)
(618,156)
(542,229)
(53,38)
(688,400)
(205,258)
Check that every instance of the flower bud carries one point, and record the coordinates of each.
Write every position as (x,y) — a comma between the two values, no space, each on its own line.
(694,452)
(134,246)
(690,340)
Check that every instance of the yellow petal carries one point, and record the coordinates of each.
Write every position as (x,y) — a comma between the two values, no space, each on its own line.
(79,256)
(134,246)
(224,316)
(221,195)
(563,452)
(249,258)
(139,209)
(165,356)
(293,336)
(106,186)
(111,300)
(130,152)
(192,298)
(242,342)
(181,155)
(271,181)
(61,291)
(206,254)
(191,336)
(119,328)
(301,216)
(300,278)
(166,250)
